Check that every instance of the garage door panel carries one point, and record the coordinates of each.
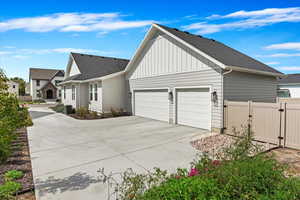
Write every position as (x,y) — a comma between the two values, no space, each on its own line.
(194,107)
(152,104)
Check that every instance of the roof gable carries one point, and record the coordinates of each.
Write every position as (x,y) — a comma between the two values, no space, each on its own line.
(224,56)
(92,66)
(43,74)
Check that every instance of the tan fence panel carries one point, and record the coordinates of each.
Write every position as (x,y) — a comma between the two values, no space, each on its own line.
(266,121)
(289,100)
(292,128)
(236,115)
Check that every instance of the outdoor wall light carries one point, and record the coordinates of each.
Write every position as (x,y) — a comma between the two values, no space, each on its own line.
(214,96)
(171,95)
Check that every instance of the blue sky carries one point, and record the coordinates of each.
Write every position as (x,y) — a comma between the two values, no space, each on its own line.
(42,33)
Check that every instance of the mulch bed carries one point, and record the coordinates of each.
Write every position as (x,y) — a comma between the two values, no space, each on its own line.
(20,160)
(91,116)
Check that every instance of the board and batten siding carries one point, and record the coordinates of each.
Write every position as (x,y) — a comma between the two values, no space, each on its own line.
(165,63)
(239,86)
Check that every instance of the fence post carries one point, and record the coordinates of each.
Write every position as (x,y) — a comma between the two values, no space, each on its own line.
(280,124)
(284,122)
(249,118)
(225,117)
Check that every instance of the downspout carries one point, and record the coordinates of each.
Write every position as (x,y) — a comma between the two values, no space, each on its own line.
(223,121)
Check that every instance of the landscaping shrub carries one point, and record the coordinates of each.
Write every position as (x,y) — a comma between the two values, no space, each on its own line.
(9,189)
(13,175)
(38,101)
(82,111)
(58,108)
(12,117)
(239,171)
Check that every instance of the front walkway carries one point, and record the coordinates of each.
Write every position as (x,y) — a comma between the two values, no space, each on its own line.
(66,153)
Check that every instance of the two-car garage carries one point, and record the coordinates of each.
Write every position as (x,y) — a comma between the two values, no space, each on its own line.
(186,106)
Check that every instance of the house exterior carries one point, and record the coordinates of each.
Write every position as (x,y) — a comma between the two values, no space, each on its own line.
(182,78)
(289,86)
(94,82)
(13,87)
(43,83)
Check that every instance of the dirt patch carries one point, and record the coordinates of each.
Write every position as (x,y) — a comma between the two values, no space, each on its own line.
(20,160)
(290,157)
(85,117)
(26,196)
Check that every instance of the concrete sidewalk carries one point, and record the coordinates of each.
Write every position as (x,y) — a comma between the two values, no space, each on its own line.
(66,153)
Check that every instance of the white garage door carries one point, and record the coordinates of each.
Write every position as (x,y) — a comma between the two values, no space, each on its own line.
(194,107)
(152,104)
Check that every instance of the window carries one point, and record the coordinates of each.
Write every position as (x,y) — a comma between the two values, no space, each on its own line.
(64,92)
(37,82)
(283,93)
(91,92)
(96,92)
(73,92)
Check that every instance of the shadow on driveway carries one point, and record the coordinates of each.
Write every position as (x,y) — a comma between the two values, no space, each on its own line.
(39,114)
(77,181)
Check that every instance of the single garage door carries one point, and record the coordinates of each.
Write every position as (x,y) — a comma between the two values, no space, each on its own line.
(194,107)
(152,104)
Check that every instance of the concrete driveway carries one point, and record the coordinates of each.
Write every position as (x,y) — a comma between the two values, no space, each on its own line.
(66,153)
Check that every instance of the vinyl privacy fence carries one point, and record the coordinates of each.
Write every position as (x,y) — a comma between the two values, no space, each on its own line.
(275,123)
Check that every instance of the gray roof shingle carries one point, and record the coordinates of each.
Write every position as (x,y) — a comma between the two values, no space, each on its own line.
(44,74)
(290,79)
(92,66)
(220,51)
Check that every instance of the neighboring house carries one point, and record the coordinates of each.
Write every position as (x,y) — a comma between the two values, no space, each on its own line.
(183,78)
(289,86)
(94,82)
(13,87)
(44,83)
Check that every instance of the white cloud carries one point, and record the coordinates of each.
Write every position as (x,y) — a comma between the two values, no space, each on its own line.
(72,22)
(286,46)
(280,55)
(272,63)
(20,57)
(248,19)
(289,68)
(5,52)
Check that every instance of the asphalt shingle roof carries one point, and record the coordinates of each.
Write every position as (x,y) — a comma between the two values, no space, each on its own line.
(291,78)
(92,66)
(44,74)
(220,51)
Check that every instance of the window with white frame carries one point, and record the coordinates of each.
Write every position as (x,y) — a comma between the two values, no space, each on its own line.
(64,92)
(96,92)
(73,92)
(91,92)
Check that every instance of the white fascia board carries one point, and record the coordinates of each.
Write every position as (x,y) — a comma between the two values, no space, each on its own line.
(140,48)
(67,82)
(241,69)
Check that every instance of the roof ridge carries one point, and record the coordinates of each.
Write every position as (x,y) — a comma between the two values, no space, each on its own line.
(108,57)
(46,69)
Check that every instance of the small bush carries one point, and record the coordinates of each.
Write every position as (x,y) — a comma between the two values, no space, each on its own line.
(58,108)
(9,189)
(38,101)
(241,172)
(94,114)
(13,175)
(82,111)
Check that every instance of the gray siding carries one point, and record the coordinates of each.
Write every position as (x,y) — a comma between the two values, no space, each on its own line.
(240,86)
(202,78)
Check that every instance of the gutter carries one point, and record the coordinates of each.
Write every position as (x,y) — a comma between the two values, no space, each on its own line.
(94,79)
(241,69)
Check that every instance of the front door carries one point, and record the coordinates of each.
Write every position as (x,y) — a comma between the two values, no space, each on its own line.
(49,94)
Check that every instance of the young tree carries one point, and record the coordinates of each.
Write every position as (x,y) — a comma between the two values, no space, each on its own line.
(22,85)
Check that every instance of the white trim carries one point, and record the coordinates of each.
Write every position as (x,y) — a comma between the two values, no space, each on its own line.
(190,87)
(288,84)
(253,71)
(148,36)
(144,89)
